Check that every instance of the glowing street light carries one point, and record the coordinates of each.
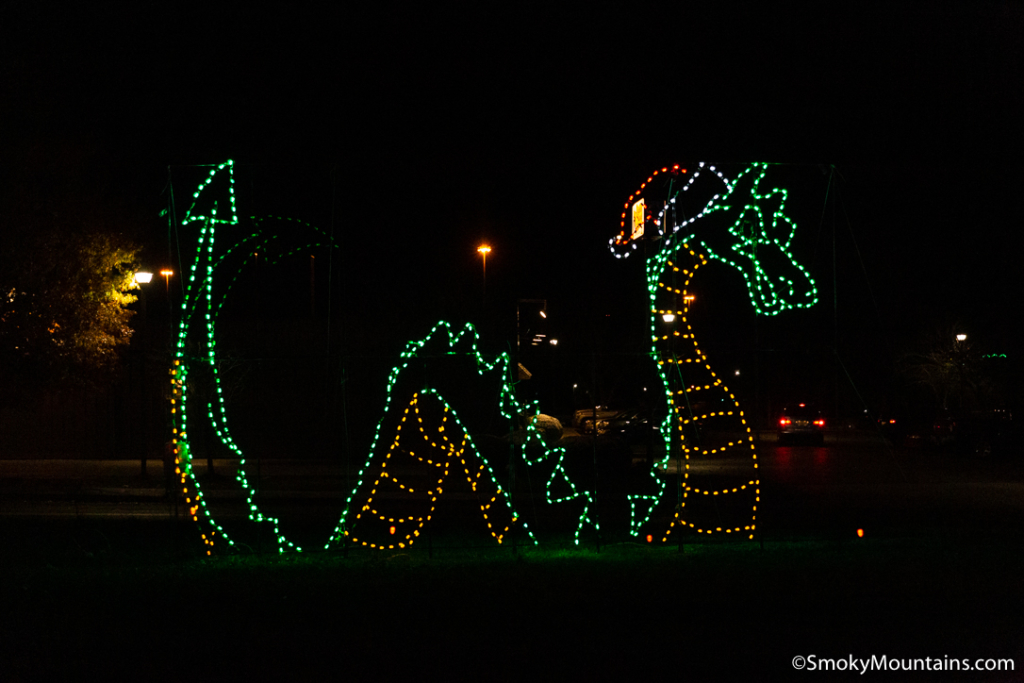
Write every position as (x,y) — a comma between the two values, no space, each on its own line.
(484,250)
(960,350)
(167,273)
(143,277)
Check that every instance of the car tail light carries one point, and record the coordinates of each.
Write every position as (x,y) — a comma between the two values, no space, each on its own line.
(820,422)
(784,421)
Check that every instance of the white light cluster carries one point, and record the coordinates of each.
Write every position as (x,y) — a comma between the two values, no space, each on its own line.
(619,249)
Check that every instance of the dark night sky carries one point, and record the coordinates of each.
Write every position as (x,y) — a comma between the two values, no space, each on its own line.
(528,126)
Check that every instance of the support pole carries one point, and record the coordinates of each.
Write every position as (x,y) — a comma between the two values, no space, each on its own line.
(593,396)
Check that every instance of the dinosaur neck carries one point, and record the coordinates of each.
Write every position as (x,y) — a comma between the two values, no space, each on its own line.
(706,420)
(670,320)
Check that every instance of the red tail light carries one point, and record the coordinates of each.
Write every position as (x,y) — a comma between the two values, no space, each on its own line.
(784,421)
(820,422)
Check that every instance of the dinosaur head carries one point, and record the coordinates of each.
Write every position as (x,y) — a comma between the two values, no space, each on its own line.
(751,232)
(738,221)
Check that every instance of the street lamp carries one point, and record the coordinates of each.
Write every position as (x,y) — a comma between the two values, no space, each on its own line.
(143,277)
(960,358)
(484,250)
(167,273)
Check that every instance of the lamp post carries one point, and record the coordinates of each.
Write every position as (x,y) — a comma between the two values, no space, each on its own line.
(167,273)
(484,250)
(143,278)
(519,372)
(960,350)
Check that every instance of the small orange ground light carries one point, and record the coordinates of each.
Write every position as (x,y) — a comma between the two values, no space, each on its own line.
(392,530)
(650,538)
(860,533)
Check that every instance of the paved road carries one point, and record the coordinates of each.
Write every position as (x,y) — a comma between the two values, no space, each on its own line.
(854,481)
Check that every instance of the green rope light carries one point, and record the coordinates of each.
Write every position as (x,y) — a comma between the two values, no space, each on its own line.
(199,310)
(444,339)
(759,232)
(754,219)
(441,451)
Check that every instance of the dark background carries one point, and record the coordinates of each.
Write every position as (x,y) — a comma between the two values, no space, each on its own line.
(415,134)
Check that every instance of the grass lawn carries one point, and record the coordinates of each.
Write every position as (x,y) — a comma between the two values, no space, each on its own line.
(133,600)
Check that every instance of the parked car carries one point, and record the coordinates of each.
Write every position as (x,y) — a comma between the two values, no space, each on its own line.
(639,425)
(632,425)
(583,419)
(985,433)
(976,433)
(801,422)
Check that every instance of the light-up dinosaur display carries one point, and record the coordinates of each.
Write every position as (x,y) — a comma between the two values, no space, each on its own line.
(419,427)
